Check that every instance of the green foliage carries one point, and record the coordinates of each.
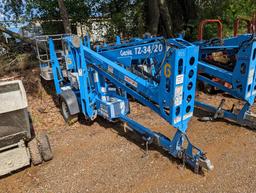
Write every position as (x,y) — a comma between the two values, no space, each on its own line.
(227,11)
(11,9)
(48,10)
(237,8)
(128,17)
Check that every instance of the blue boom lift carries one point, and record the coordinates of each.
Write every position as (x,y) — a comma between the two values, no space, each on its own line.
(94,84)
(229,65)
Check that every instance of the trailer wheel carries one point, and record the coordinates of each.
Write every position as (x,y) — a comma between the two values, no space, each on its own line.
(45,147)
(34,151)
(70,119)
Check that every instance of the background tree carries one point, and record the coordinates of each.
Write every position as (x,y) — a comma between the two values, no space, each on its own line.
(132,17)
(65,17)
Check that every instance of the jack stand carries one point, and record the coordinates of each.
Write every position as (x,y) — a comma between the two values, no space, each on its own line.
(243,117)
(125,127)
(146,148)
(183,159)
(147,142)
(217,114)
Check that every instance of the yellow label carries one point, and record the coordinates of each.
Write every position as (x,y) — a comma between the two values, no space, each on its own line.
(167,70)
(69,61)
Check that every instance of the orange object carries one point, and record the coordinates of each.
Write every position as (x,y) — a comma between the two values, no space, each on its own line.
(207,21)
(251,24)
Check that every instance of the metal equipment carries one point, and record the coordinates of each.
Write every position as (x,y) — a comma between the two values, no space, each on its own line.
(204,22)
(97,84)
(43,55)
(229,65)
(17,144)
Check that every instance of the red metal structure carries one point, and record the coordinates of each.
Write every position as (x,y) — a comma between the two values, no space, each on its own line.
(253,23)
(237,24)
(208,21)
(250,24)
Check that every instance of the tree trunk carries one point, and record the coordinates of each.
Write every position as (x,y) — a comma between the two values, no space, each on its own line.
(188,10)
(165,17)
(64,16)
(20,37)
(153,16)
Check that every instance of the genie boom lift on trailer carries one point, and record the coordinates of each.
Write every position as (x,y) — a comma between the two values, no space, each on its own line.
(93,84)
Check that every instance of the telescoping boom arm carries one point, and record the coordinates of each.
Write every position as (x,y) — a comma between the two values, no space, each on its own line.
(101,85)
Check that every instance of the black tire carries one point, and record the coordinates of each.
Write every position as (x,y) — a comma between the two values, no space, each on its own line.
(45,147)
(69,119)
(34,151)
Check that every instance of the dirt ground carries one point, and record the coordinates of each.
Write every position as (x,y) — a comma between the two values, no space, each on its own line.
(101,157)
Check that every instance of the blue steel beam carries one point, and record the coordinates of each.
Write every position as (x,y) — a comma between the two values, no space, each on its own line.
(215,71)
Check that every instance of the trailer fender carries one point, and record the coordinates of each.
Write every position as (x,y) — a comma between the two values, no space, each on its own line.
(71,101)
